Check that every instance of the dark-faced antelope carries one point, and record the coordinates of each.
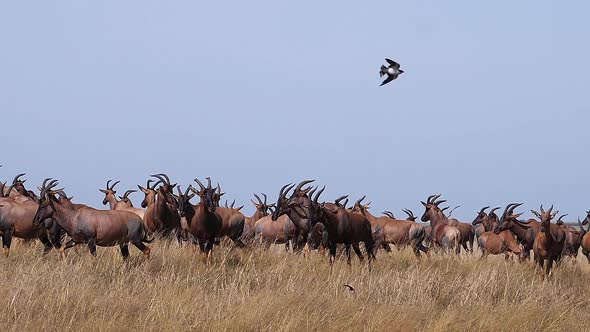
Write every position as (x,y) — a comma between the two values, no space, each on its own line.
(262,209)
(124,204)
(161,214)
(389,230)
(572,242)
(526,230)
(294,208)
(546,246)
(443,235)
(491,243)
(232,220)
(16,218)
(93,227)
(203,222)
(343,226)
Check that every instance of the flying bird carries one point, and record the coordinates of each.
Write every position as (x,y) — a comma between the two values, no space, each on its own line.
(392,71)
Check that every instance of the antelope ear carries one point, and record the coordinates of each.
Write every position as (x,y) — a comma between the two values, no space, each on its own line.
(102,191)
(423,203)
(536,213)
(143,190)
(517,215)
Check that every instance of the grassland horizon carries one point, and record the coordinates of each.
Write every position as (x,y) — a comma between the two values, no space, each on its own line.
(254,289)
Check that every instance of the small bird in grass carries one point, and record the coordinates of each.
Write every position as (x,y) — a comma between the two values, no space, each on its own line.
(392,71)
(350,288)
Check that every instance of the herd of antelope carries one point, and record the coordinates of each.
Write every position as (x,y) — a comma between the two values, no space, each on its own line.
(297,218)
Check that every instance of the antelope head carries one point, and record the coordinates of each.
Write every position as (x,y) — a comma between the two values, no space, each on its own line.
(300,191)
(509,218)
(261,206)
(125,197)
(545,216)
(183,200)
(46,200)
(206,194)
(166,191)
(109,192)
(18,185)
(410,214)
(431,206)
(359,207)
(559,221)
(282,204)
(150,193)
(481,215)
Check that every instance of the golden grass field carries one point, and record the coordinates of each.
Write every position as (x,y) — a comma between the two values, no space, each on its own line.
(252,289)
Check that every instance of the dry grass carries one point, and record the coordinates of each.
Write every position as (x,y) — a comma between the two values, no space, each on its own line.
(258,290)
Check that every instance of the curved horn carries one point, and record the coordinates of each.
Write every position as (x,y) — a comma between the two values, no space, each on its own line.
(259,200)
(439,202)
(360,200)
(282,192)
(114,184)
(409,213)
(315,200)
(550,209)
(311,192)
(429,199)
(16,178)
(389,214)
(337,201)
(208,182)
(200,184)
(166,177)
(483,209)
(303,183)
(495,209)
(263,194)
(514,206)
(128,192)
(559,219)
(159,177)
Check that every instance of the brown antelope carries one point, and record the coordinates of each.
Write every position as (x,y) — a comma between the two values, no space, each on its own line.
(124,204)
(467,232)
(232,219)
(546,247)
(388,230)
(249,224)
(443,234)
(343,226)
(491,243)
(95,228)
(280,230)
(161,214)
(585,237)
(526,231)
(204,223)
(572,242)
(16,219)
(295,208)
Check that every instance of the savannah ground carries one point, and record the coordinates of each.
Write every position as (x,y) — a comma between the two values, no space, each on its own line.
(253,289)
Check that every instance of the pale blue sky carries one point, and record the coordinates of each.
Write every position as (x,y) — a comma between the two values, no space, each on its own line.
(493,106)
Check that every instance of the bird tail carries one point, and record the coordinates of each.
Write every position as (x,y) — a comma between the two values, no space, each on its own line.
(383,70)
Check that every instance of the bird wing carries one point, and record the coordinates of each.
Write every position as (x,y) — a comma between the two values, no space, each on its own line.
(388,79)
(392,63)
